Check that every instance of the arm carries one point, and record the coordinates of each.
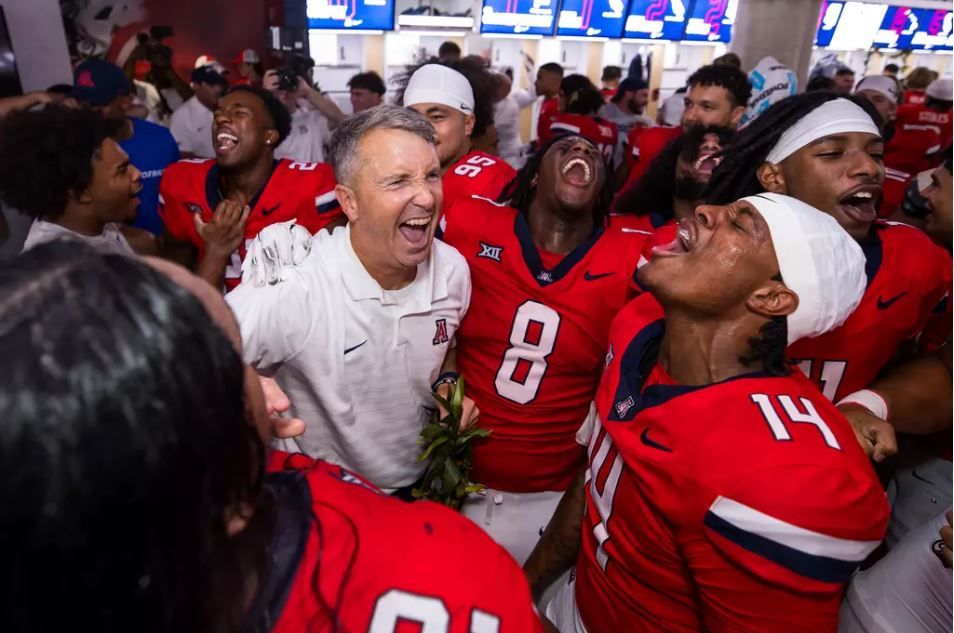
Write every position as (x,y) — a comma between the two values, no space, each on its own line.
(143,242)
(23,102)
(322,103)
(559,547)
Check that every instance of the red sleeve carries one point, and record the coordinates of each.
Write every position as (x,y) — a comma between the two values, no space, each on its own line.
(794,535)
(326,208)
(172,209)
(935,284)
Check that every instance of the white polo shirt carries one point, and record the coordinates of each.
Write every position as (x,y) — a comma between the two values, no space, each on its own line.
(307,138)
(356,361)
(191,126)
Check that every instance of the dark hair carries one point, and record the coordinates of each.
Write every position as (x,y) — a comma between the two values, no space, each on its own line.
(448,48)
(481,80)
(124,441)
(611,73)
(946,158)
(281,118)
(729,77)
(370,81)
(729,59)
(60,89)
(580,95)
(653,193)
(769,348)
(891,68)
(551,67)
(736,176)
(844,70)
(47,155)
(520,191)
(940,105)
(820,83)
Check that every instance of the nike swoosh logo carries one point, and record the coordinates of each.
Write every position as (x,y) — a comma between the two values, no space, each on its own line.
(269,211)
(644,438)
(884,304)
(351,349)
(591,277)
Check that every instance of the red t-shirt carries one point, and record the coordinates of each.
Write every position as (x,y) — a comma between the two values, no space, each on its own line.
(740,506)
(476,174)
(533,341)
(548,109)
(304,192)
(347,557)
(602,133)
(913,97)
(908,279)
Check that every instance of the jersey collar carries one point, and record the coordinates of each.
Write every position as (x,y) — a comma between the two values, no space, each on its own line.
(213,187)
(531,256)
(873,248)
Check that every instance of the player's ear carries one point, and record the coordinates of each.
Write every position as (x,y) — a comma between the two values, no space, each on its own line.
(773,299)
(737,113)
(469,122)
(271,137)
(237,517)
(348,201)
(771,177)
(80,197)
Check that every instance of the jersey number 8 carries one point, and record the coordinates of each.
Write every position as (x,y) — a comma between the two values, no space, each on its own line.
(396,606)
(532,338)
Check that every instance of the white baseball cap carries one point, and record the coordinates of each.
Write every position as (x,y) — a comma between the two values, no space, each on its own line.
(436,83)
(940,89)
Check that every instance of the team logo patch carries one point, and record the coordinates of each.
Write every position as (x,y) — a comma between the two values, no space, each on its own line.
(623,406)
(490,252)
(440,335)
(545,276)
(193,207)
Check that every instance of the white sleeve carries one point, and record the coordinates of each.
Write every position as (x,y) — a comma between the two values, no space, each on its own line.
(276,321)
(524,98)
(180,131)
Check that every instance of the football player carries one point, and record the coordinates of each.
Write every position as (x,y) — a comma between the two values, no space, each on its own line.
(580,101)
(141,477)
(723,492)
(717,95)
(826,150)
(547,280)
(212,209)
(458,99)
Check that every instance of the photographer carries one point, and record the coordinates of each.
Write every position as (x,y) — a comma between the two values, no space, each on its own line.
(173,90)
(313,114)
(192,123)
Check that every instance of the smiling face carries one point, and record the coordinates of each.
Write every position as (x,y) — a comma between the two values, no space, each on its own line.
(364,99)
(939,195)
(695,165)
(841,175)
(721,261)
(571,175)
(710,105)
(242,130)
(392,200)
(115,186)
(453,129)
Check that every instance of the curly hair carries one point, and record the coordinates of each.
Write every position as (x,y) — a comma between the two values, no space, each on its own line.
(281,117)
(520,191)
(735,82)
(482,82)
(46,156)
(580,95)
(736,176)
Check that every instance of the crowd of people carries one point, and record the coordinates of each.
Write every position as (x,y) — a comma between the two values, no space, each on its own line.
(713,379)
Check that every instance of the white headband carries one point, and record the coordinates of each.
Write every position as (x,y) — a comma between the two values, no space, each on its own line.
(879,83)
(832,117)
(436,83)
(818,261)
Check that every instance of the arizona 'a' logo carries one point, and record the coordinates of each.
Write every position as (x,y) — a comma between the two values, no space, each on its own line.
(440,335)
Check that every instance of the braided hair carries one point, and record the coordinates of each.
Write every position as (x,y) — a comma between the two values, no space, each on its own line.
(736,176)
(580,95)
(520,191)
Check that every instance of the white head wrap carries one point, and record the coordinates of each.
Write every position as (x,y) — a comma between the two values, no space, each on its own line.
(879,83)
(818,261)
(832,117)
(436,83)
(771,82)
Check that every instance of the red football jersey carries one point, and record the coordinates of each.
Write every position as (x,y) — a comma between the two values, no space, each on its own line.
(643,145)
(476,174)
(895,185)
(913,97)
(602,133)
(304,192)
(347,557)
(549,108)
(939,122)
(741,506)
(913,148)
(908,278)
(532,343)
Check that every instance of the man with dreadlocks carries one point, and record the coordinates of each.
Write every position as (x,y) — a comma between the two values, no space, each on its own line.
(579,103)
(457,98)
(826,150)
(547,280)
(703,441)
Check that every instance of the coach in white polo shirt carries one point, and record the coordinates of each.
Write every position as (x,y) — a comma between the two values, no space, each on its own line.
(358,333)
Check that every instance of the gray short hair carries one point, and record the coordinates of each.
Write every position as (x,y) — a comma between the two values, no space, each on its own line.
(343,147)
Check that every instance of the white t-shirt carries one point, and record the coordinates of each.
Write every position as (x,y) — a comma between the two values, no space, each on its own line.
(110,241)
(191,126)
(356,361)
(306,141)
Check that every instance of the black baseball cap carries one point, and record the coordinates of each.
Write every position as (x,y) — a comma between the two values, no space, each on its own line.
(98,83)
(208,75)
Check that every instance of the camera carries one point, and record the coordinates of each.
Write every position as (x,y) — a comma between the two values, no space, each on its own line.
(297,66)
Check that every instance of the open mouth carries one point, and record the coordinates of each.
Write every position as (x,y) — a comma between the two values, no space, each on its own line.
(707,162)
(861,204)
(577,171)
(416,230)
(225,142)
(682,244)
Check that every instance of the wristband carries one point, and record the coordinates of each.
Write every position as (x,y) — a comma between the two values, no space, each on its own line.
(867,399)
(447,378)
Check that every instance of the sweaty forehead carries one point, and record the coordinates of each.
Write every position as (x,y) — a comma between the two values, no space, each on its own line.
(244,99)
